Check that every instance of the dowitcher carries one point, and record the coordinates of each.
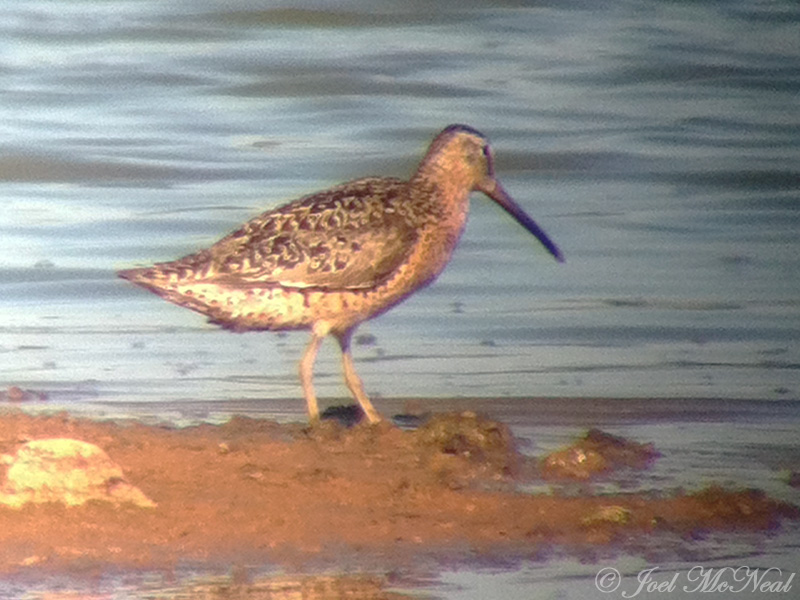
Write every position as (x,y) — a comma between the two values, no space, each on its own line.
(329,261)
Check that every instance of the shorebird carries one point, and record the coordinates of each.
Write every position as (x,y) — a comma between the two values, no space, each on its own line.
(329,261)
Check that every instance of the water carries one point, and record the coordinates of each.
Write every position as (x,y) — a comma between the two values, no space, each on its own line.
(658,151)
(656,142)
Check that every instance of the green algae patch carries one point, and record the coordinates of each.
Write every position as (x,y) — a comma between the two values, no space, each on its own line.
(65,470)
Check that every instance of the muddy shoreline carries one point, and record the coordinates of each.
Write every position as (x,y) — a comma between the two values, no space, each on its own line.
(252,492)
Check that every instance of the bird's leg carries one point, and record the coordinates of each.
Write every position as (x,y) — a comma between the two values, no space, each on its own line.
(306,375)
(352,379)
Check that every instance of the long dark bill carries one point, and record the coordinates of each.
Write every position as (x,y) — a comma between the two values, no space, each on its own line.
(496,192)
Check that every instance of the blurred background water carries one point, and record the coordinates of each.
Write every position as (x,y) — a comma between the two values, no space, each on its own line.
(656,142)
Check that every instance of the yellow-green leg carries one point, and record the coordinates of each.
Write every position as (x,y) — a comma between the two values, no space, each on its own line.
(307,374)
(353,381)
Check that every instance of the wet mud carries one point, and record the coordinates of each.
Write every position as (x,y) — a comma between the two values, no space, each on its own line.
(254,492)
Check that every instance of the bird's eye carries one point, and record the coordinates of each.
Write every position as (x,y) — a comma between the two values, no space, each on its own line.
(489,163)
(487,155)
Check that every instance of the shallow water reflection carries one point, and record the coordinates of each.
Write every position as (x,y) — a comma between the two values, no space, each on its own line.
(332,587)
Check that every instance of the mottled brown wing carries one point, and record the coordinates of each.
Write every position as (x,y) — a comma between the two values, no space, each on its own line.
(351,236)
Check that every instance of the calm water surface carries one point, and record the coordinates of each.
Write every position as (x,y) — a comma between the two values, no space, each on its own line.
(656,142)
